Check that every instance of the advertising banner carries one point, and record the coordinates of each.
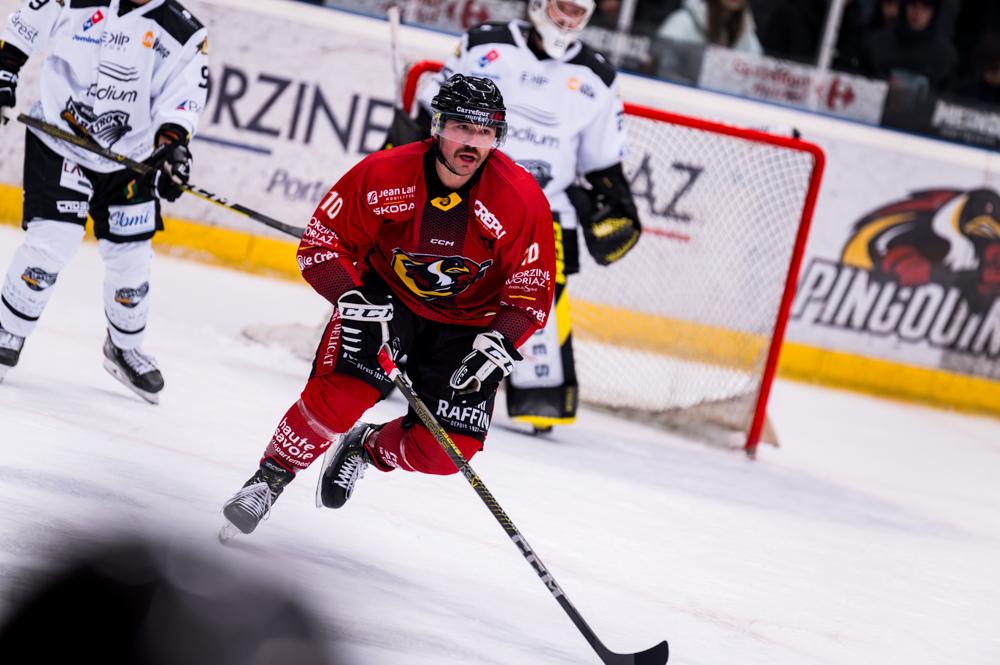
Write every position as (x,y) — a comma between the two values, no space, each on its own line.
(291,107)
(451,15)
(784,82)
(907,270)
(948,119)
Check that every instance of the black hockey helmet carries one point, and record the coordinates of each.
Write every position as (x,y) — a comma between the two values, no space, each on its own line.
(473,100)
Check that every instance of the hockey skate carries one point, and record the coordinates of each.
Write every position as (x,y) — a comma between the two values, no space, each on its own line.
(137,371)
(343,466)
(10,350)
(252,503)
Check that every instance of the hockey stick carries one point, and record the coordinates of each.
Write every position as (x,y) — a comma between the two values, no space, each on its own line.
(403,128)
(140,168)
(393,14)
(656,655)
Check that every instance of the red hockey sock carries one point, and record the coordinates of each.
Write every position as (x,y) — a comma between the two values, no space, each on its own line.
(300,439)
(416,449)
(330,405)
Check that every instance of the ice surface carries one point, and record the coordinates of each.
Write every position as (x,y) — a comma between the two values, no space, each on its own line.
(872,536)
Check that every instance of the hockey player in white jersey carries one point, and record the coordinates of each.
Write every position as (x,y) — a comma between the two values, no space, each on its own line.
(565,121)
(133,76)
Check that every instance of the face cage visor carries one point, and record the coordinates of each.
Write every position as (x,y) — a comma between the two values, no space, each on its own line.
(559,22)
(568,16)
(461,129)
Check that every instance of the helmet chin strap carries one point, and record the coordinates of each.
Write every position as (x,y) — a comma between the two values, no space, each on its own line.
(440,156)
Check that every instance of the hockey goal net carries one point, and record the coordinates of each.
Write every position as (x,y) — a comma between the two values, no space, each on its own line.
(685,331)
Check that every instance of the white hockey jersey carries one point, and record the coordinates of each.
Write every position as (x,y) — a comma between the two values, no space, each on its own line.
(564,115)
(120,77)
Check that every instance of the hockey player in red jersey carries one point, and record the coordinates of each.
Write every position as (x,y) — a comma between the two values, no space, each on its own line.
(444,250)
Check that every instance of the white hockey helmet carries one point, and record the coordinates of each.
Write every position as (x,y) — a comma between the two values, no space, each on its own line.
(559,22)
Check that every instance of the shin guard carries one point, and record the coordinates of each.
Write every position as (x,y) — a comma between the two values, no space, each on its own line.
(31,276)
(126,290)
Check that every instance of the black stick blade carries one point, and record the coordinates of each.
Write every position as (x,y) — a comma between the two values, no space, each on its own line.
(658,655)
(655,656)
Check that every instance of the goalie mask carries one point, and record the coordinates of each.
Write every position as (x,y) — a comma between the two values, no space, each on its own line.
(469,110)
(559,22)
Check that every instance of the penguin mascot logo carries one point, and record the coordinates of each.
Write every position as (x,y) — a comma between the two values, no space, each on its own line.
(947,236)
(431,276)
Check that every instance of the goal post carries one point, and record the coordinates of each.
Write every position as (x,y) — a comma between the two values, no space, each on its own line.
(686,330)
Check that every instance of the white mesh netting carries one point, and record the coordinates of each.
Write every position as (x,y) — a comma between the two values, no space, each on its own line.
(680,328)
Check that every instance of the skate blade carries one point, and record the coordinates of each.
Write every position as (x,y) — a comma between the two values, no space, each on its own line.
(3,371)
(227,533)
(115,371)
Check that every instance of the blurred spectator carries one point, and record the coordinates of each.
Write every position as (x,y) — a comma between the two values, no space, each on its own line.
(149,604)
(795,31)
(912,52)
(983,84)
(886,13)
(650,14)
(628,53)
(977,18)
(606,14)
(681,40)
(726,23)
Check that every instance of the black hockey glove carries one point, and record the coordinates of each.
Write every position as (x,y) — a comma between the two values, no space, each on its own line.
(173,163)
(611,225)
(8,93)
(11,61)
(364,325)
(491,360)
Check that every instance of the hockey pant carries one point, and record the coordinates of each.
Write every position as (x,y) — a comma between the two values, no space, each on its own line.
(542,389)
(334,400)
(47,248)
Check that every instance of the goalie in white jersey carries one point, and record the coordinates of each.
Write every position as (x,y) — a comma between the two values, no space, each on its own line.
(133,76)
(565,122)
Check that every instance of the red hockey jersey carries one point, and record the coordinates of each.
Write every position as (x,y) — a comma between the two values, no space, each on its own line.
(480,256)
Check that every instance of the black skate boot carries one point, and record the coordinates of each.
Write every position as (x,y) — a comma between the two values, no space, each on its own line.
(343,466)
(253,502)
(10,350)
(137,371)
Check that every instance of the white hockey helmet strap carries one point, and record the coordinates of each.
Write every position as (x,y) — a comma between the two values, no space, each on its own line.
(557,38)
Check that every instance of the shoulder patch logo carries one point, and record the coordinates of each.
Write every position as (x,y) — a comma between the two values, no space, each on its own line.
(446,202)
(489,57)
(94,19)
